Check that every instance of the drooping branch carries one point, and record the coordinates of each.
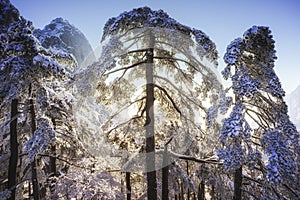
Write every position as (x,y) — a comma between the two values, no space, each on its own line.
(176,59)
(122,124)
(180,92)
(125,68)
(259,117)
(125,107)
(177,109)
(178,68)
(266,100)
(140,35)
(262,114)
(253,180)
(185,53)
(10,120)
(169,97)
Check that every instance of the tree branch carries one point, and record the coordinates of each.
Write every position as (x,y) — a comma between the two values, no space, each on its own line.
(125,106)
(291,190)
(185,157)
(184,53)
(177,89)
(119,125)
(247,111)
(125,68)
(250,193)
(64,160)
(169,97)
(176,59)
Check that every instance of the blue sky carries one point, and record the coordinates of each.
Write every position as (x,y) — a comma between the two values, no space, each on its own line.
(221,20)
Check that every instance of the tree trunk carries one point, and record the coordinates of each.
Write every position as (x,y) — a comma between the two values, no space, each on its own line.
(29,188)
(165,175)
(238,180)
(188,174)
(149,125)
(53,163)
(201,191)
(181,190)
(213,193)
(34,179)
(128,186)
(13,160)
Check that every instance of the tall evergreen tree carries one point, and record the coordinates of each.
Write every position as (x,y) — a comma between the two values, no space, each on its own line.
(258,126)
(29,75)
(156,77)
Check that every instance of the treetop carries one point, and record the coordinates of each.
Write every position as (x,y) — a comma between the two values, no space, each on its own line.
(144,17)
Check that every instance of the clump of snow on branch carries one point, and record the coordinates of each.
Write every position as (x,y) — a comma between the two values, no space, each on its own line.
(42,138)
(280,162)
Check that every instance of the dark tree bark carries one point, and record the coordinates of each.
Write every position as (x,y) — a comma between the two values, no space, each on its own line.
(29,188)
(181,191)
(149,124)
(201,191)
(188,174)
(165,175)
(213,193)
(128,186)
(52,167)
(34,179)
(238,180)
(13,160)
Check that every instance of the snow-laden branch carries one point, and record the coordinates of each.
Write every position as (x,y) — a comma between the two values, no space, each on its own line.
(198,160)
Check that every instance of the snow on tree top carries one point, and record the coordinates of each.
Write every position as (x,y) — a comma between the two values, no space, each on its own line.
(144,17)
(8,14)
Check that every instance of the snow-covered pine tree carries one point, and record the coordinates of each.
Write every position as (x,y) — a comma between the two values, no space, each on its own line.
(31,76)
(157,78)
(260,143)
